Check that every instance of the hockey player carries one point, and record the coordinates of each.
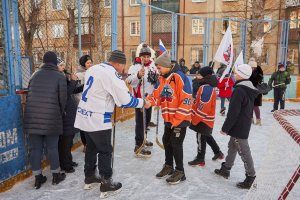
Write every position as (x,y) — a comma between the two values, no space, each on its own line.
(173,93)
(145,71)
(102,90)
(203,116)
(237,125)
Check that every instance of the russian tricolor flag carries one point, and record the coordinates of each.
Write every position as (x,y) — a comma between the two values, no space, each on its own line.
(162,47)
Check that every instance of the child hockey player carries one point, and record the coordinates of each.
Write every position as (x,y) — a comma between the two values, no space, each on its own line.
(145,71)
(203,116)
(237,125)
(173,93)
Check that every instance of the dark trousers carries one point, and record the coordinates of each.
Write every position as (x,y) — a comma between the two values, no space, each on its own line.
(202,140)
(173,143)
(65,144)
(98,142)
(36,143)
(279,96)
(139,124)
(82,136)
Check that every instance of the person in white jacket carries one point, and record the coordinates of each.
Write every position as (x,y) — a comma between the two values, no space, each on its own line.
(137,74)
(102,90)
(85,62)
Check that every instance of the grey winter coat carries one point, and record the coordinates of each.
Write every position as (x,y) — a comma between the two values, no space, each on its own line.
(46,100)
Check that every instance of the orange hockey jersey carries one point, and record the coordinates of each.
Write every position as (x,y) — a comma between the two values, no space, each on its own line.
(204,107)
(174,94)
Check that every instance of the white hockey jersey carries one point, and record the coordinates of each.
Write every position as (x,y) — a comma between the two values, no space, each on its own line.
(135,83)
(103,89)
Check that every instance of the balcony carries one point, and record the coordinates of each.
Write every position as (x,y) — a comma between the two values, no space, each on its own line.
(87,40)
(171,5)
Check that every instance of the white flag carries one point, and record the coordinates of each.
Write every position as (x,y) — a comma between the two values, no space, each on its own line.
(239,60)
(224,53)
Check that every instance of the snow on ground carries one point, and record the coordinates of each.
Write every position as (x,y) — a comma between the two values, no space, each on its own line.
(138,176)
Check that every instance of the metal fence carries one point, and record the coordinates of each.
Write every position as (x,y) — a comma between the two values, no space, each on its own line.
(196,37)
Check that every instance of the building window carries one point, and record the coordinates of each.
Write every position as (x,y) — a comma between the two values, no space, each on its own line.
(294,16)
(162,24)
(267,25)
(84,28)
(196,55)
(107,3)
(107,29)
(232,23)
(38,57)
(133,3)
(265,58)
(132,55)
(198,1)
(135,28)
(58,30)
(197,26)
(56,5)
(38,33)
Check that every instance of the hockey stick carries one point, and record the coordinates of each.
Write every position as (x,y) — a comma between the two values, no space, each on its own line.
(284,83)
(138,151)
(114,138)
(157,123)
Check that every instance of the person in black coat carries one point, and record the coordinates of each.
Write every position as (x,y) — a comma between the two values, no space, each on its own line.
(256,78)
(237,125)
(195,68)
(46,99)
(65,142)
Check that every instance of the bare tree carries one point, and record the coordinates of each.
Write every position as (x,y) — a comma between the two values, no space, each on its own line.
(71,31)
(29,22)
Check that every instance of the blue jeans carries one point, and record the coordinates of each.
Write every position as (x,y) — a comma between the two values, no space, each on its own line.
(223,101)
(36,143)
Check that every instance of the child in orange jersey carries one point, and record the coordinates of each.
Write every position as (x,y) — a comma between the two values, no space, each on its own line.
(173,93)
(203,116)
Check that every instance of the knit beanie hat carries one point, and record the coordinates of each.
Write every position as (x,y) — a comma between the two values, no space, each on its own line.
(205,71)
(50,57)
(84,59)
(118,57)
(280,65)
(60,61)
(164,60)
(253,64)
(244,71)
(181,60)
(145,50)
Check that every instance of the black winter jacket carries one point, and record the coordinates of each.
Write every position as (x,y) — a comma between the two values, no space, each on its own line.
(256,78)
(46,100)
(238,121)
(73,87)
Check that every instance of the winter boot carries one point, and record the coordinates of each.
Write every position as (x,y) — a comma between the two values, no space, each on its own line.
(148,144)
(39,181)
(247,182)
(222,111)
(166,170)
(197,161)
(177,177)
(258,122)
(224,171)
(108,188)
(144,153)
(58,177)
(219,156)
(68,169)
(90,181)
(74,164)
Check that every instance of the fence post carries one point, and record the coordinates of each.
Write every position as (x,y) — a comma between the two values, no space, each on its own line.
(143,22)
(286,42)
(79,27)
(8,46)
(174,36)
(17,55)
(205,53)
(114,25)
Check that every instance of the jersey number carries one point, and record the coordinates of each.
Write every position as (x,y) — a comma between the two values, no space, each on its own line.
(89,83)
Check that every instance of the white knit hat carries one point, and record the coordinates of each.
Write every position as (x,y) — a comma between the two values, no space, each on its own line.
(244,71)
